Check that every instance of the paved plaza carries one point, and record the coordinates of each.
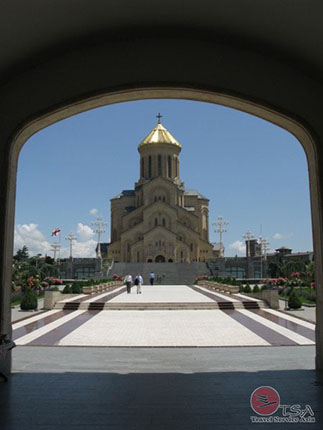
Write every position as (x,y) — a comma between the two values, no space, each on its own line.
(144,370)
(232,325)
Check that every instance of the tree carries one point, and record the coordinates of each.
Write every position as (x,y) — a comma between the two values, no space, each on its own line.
(274,269)
(22,254)
(293,266)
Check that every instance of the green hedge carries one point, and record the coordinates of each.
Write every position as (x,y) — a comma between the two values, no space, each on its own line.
(29,301)
(294,301)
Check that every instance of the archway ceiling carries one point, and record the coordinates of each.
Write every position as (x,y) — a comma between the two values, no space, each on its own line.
(33,31)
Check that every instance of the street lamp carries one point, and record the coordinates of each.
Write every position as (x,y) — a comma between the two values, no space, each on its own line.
(220,223)
(55,247)
(264,247)
(71,238)
(99,225)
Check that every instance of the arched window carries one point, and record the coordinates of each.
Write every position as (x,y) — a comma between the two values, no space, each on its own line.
(142,168)
(159,163)
(169,166)
(156,222)
(164,222)
(149,166)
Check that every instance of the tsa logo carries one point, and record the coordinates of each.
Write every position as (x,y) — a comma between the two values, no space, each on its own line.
(265,401)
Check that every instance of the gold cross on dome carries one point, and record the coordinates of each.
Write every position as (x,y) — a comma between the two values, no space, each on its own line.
(158,117)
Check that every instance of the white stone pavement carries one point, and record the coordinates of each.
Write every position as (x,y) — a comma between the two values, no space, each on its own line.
(162,294)
(153,328)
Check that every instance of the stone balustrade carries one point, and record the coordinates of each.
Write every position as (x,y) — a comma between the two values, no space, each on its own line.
(100,287)
(231,289)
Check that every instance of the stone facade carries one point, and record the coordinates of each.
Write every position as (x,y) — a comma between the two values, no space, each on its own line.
(159,221)
(253,265)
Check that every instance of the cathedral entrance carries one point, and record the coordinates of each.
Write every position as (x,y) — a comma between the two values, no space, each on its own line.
(160,259)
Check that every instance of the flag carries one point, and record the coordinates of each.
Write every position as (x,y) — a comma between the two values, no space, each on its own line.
(56,231)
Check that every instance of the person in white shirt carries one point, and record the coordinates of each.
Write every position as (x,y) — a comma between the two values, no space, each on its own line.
(128,280)
(138,281)
(152,278)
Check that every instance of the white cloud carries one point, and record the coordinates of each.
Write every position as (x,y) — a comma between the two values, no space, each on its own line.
(277,236)
(93,211)
(84,232)
(36,242)
(84,249)
(238,246)
(29,235)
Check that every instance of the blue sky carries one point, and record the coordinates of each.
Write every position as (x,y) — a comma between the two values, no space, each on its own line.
(253,172)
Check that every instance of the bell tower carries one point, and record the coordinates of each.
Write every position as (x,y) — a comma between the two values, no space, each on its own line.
(159,155)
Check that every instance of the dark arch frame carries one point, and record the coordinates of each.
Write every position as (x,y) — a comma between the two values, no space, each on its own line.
(223,74)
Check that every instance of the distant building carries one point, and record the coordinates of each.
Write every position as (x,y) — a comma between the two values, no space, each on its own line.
(159,220)
(78,268)
(254,265)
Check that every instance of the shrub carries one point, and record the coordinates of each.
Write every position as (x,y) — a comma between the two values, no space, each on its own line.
(247,289)
(76,288)
(294,301)
(256,289)
(264,287)
(67,290)
(29,301)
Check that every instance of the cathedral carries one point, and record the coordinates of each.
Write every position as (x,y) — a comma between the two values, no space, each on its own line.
(159,221)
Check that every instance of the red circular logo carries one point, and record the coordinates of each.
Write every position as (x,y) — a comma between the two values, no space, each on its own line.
(265,400)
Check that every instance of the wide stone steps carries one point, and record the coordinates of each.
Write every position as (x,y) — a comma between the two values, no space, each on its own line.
(171,273)
(100,306)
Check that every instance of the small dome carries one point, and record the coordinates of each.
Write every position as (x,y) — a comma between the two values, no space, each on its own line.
(159,135)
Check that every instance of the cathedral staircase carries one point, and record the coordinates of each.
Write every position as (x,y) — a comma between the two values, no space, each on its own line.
(172,273)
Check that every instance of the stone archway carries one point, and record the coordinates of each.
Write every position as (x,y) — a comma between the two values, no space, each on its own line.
(160,259)
(104,83)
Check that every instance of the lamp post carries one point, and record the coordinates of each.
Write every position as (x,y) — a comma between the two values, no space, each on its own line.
(264,247)
(220,224)
(99,225)
(71,238)
(55,247)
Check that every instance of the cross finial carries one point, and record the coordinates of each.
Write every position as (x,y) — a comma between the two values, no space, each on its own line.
(158,117)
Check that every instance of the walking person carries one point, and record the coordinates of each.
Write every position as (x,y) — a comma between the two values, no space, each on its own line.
(128,280)
(138,281)
(152,278)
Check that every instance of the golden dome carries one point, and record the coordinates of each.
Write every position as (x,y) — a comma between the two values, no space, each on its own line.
(159,134)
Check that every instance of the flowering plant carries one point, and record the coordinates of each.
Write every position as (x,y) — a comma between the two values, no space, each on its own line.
(53,281)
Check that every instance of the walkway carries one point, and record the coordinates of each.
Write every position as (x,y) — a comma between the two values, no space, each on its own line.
(164,328)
